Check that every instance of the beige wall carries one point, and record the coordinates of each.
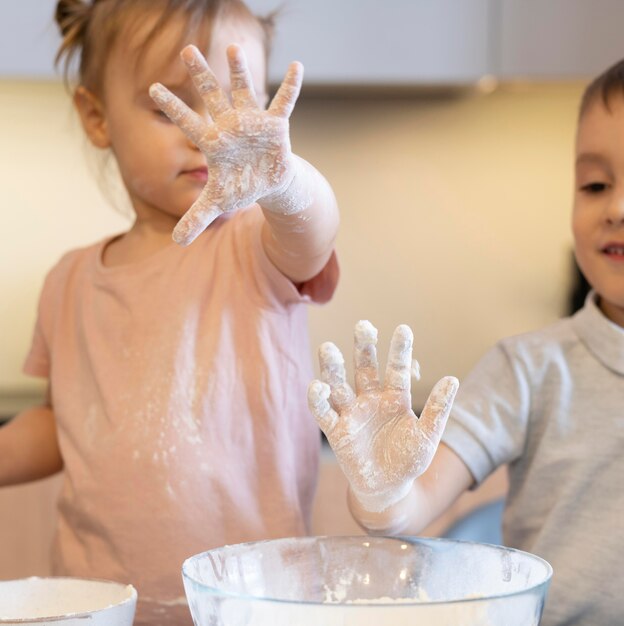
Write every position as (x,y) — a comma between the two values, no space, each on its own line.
(455,214)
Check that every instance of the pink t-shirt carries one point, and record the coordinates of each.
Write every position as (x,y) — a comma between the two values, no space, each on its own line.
(179,389)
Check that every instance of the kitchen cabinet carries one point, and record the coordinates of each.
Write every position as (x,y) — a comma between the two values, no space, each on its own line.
(349,43)
(364,42)
(554,39)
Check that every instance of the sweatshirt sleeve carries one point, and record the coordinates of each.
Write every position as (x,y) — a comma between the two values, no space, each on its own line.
(489,420)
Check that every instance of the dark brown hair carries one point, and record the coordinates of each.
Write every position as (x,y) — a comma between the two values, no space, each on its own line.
(90,28)
(604,87)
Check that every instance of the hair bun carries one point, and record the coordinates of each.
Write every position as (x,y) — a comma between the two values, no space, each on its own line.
(72,17)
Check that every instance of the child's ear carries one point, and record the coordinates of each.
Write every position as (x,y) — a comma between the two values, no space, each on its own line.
(92,116)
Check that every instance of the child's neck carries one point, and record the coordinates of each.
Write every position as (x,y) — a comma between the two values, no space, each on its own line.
(144,239)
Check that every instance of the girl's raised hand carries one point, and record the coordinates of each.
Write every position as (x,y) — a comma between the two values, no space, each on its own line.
(378,441)
(247,148)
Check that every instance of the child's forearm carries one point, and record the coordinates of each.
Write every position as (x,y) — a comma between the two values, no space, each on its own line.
(29,448)
(301,223)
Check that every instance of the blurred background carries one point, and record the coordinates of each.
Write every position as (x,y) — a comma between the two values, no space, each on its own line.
(446,128)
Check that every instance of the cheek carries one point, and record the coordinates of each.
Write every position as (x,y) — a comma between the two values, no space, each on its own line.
(576,223)
(141,170)
(582,239)
(143,149)
(582,219)
(577,230)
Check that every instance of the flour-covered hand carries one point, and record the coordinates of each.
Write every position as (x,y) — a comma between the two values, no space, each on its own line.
(379,442)
(247,148)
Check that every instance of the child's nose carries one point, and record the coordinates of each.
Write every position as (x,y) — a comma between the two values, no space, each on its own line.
(192,144)
(615,210)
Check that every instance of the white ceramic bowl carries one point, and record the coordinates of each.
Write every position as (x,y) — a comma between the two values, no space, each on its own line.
(59,601)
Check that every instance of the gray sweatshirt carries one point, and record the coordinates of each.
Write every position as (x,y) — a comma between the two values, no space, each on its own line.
(551,404)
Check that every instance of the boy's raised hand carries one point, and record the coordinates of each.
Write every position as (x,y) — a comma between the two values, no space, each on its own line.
(247,149)
(379,442)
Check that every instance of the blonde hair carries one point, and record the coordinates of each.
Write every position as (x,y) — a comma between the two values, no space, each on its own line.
(90,28)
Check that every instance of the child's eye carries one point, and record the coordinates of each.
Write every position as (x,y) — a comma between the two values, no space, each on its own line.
(594,187)
(161,114)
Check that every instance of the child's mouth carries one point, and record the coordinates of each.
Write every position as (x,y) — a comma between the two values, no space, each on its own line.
(614,251)
(200,174)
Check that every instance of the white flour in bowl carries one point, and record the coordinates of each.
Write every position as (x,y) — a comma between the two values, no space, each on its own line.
(375,612)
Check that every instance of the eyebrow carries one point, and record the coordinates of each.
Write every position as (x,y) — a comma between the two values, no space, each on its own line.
(181,90)
(591,158)
(175,87)
(179,85)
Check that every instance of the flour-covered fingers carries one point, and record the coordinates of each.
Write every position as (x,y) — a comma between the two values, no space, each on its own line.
(365,357)
(205,82)
(243,93)
(191,124)
(284,101)
(318,401)
(209,205)
(398,375)
(334,374)
(437,408)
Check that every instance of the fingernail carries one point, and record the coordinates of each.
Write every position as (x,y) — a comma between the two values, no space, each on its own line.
(155,90)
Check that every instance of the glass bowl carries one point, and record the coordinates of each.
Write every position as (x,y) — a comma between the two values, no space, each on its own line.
(365,581)
(57,601)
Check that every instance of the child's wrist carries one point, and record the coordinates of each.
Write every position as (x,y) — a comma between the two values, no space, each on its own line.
(382,515)
(296,194)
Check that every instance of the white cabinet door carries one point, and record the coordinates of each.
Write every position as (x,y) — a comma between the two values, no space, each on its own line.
(546,39)
(368,42)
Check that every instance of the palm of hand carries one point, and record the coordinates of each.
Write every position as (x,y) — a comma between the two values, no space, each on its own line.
(248,156)
(378,441)
(247,149)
